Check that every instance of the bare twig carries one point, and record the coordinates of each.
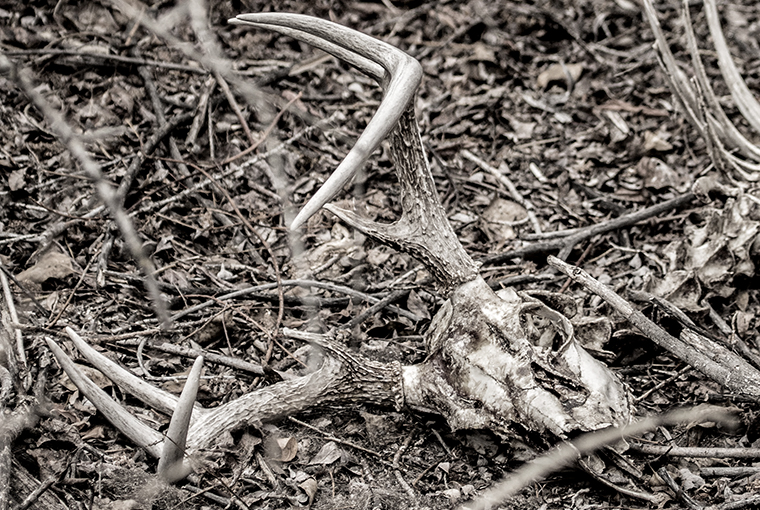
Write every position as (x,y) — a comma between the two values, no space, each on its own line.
(697,452)
(290,283)
(507,182)
(566,453)
(71,141)
(372,310)
(188,352)
(680,494)
(265,244)
(705,355)
(257,159)
(53,321)
(200,115)
(264,134)
(20,353)
(378,456)
(105,56)
(566,244)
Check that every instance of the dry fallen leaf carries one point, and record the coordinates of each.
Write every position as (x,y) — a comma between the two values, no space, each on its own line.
(451,494)
(309,486)
(500,217)
(17,179)
(657,174)
(417,306)
(657,141)
(328,454)
(288,448)
(52,264)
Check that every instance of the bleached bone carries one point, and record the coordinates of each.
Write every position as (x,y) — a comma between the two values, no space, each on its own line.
(482,371)
(171,465)
(134,429)
(169,450)
(341,380)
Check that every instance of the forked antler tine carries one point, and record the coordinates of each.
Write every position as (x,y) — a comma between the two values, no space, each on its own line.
(156,398)
(171,466)
(403,75)
(130,426)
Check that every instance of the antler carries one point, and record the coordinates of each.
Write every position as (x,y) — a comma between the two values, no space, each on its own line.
(193,429)
(423,230)
(482,371)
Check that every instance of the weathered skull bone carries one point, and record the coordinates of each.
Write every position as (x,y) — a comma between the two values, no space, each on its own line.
(481,370)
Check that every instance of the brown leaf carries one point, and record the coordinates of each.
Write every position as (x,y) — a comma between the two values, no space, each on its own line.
(288,448)
(482,53)
(417,306)
(328,454)
(657,141)
(657,174)
(16,180)
(500,217)
(96,432)
(309,486)
(52,264)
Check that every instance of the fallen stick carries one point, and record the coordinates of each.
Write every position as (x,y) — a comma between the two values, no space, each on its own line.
(694,451)
(566,244)
(705,355)
(567,453)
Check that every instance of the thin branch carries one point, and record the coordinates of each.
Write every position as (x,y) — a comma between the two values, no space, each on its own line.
(566,453)
(291,283)
(507,182)
(104,56)
(264,243)
(72,142)
(696,451)
(566,244)
(705,355)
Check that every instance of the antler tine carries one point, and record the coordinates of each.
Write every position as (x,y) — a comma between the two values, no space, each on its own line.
(170,450)
(130,426)
(171,465)
(346,54)
(402,76)
(156,398)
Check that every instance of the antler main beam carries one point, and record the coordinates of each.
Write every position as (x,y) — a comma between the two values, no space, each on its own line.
(423,230)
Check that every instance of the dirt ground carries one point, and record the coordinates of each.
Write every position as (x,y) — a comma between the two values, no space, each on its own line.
(565,98)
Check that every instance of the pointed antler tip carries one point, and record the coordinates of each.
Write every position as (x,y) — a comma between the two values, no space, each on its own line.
(371,56)
(298,222)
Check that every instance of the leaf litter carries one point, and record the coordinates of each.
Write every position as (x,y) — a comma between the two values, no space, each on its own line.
(569,94)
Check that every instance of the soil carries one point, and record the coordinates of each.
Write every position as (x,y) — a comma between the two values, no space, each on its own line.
(565,98)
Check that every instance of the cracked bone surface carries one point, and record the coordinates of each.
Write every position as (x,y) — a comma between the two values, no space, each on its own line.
(482,371)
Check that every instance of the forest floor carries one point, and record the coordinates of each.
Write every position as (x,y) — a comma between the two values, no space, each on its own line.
(564,98)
